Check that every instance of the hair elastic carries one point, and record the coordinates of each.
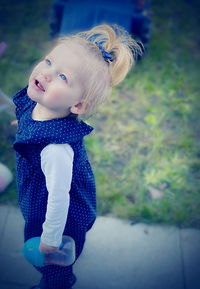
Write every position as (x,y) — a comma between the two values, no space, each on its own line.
(106,55)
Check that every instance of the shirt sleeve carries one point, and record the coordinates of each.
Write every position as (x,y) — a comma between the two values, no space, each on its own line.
(56,164)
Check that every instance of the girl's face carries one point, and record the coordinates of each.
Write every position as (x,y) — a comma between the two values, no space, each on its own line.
(57,81)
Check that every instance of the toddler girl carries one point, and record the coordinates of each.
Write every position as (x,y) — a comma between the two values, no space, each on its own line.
(55,182)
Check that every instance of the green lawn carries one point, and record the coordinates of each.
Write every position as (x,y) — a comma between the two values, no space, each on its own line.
(147,135)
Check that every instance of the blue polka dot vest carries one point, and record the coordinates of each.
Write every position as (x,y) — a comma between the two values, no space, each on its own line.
(31,137)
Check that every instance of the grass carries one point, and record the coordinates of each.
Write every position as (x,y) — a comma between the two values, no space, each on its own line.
(147,133)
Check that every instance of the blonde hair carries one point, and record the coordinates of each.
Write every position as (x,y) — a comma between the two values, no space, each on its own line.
(102,76)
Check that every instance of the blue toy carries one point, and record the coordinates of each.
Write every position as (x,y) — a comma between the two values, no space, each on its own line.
(65,256)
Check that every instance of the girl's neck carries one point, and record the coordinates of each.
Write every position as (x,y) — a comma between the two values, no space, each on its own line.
(41,112)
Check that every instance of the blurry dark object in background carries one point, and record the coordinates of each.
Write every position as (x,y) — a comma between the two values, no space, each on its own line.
(3,47)
(71,16)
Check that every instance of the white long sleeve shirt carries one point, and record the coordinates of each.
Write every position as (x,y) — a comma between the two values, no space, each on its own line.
(57,165)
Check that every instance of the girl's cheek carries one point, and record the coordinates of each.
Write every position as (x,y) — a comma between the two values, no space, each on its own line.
(33,73)
(54,97)
(36,70)
(56,91)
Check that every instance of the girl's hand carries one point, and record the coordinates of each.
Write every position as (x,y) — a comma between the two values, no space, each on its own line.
(47,249)
(14,122)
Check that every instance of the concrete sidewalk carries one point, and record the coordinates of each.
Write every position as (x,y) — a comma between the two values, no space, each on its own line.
(116,255)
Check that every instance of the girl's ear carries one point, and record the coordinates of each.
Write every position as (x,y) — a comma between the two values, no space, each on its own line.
(79,108)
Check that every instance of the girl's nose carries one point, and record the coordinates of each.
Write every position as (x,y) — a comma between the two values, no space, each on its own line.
(47,75)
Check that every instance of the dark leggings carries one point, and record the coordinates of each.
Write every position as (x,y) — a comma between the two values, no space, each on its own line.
(58,277)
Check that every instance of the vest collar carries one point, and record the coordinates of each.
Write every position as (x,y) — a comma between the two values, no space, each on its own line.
(59,130)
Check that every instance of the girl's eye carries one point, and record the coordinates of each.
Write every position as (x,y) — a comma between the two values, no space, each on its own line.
(48,62)
(63,76)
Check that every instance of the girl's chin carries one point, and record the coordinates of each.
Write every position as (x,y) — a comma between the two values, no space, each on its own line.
(33,94)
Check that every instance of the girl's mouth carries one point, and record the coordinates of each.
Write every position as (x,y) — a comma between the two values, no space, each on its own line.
(39,85)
